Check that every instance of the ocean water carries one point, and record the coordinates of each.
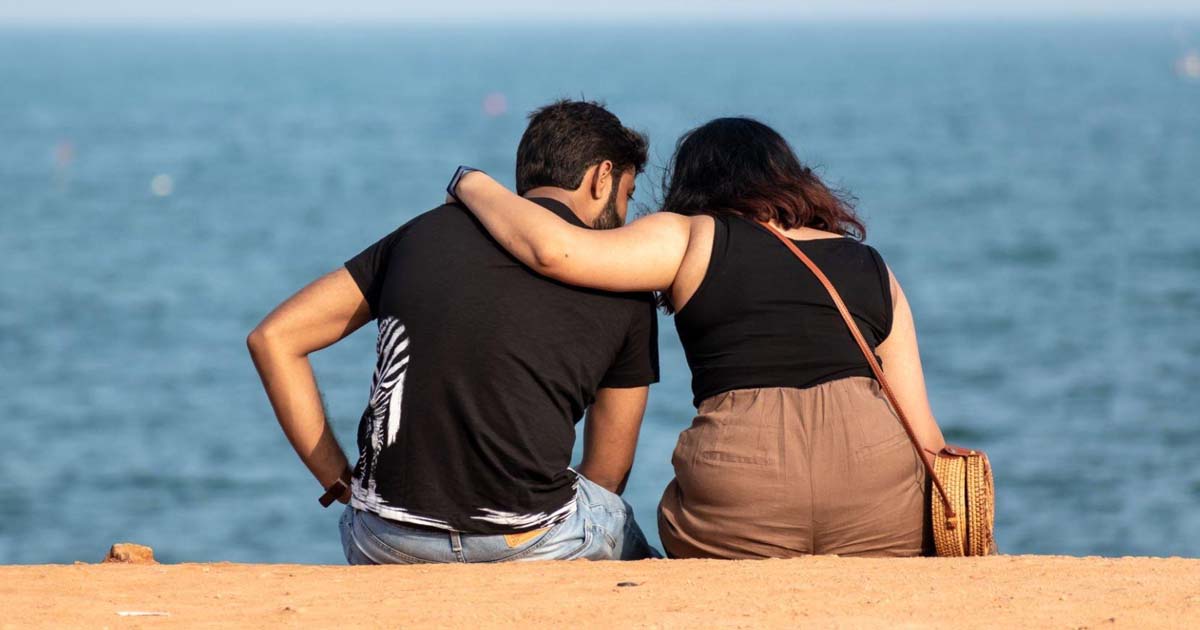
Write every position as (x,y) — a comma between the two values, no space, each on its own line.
(1035,187)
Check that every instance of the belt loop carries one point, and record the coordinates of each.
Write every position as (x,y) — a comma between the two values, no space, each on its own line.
(456,545)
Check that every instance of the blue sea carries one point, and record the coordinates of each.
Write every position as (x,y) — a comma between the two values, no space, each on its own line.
(1034,185)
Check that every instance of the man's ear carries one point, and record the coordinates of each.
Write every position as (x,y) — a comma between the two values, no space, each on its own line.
(602,178)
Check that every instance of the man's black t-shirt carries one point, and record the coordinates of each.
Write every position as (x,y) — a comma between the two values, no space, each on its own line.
(483,369)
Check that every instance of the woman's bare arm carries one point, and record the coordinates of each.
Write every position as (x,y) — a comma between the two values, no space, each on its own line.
(644,255)
(902,367)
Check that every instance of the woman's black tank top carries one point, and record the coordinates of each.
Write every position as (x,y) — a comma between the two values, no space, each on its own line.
(760,318)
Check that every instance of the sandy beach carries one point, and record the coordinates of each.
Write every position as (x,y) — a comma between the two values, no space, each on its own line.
(1004,591)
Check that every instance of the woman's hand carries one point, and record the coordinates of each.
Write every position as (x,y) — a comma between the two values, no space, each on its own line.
(459,173)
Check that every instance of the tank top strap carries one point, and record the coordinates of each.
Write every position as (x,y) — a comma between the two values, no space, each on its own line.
(885,286)
(720,247)
(716,265)
(745,231)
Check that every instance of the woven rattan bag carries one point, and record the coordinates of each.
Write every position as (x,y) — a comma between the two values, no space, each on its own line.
(963,519)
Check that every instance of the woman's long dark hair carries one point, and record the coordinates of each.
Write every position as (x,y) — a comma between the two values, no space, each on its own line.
(742,167)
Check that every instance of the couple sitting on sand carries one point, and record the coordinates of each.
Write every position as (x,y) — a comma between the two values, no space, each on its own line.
(504,317)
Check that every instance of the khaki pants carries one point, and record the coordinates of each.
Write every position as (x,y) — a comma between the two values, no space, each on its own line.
(780,472)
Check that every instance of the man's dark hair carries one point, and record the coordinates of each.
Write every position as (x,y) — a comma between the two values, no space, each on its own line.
(567,137)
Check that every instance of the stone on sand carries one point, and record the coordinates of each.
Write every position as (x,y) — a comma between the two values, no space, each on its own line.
(130,553)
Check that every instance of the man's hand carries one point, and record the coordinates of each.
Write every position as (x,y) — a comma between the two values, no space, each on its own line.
(319,315)
(610,436)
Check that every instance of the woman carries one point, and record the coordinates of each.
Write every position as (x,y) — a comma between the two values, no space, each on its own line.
(794,450)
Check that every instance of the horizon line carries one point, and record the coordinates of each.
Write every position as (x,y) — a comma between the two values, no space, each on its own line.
(641,19)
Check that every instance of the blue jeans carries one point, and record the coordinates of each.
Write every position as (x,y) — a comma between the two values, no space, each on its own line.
(602,528)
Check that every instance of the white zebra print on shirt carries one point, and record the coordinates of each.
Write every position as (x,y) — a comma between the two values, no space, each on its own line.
(383,412)
(382,424)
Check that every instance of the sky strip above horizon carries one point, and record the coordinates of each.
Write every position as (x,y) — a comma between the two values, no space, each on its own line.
(283,11)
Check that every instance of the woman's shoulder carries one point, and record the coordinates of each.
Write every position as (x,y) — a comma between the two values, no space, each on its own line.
(663,220)
(666,217)
(664,223)
(853,249)
(867,249)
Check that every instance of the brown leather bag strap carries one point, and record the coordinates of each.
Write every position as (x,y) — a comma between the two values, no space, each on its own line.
(870,356)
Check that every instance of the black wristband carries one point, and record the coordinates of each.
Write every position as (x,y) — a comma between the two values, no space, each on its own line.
(336,489)
(458,175)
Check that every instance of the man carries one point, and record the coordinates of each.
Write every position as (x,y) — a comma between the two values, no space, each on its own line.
(483,370)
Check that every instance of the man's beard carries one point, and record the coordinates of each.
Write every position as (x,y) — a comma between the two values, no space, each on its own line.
(608,218)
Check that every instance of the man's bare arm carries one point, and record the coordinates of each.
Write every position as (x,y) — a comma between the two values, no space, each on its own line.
(610,435)
(320,314)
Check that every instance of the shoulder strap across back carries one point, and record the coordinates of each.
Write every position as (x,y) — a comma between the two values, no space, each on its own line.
(871,360)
